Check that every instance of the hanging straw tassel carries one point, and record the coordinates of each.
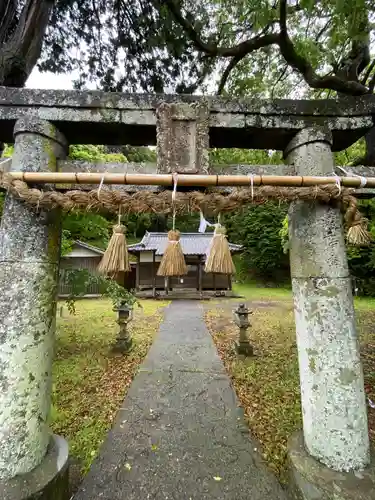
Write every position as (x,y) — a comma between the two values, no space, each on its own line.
(173,261)
(219,259)
(116,257)
(357,233)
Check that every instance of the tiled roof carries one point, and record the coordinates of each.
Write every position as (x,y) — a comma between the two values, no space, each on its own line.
(192,243)
(97,250)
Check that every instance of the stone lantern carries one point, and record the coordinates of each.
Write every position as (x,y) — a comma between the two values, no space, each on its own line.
(241,318)
(123,341)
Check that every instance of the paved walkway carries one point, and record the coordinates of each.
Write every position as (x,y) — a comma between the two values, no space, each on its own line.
(179,434)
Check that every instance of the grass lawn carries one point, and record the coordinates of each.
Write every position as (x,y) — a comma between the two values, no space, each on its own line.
(252,292)
(268,384)
(90,382)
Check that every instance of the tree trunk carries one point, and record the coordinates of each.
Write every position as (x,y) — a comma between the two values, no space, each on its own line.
(22,39)
(351,68)
(369,158)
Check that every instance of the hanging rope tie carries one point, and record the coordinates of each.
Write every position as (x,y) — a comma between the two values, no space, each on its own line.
(251,177)
(337,182)
(100,185)
(173,260)
(363,180)
(203,223)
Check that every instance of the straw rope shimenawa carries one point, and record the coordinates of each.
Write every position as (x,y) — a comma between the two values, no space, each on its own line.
(211,201)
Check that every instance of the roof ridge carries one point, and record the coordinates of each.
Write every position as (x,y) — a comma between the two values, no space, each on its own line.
(89,247)
(153,233)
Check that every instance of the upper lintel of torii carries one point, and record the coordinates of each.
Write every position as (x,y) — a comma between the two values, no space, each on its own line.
(95,117)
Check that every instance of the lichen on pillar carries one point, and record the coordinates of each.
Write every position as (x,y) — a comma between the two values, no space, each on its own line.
(29,261)
(331,378)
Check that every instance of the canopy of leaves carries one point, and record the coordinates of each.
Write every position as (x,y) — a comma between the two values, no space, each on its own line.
(133,45)
(266,47)
(250,46)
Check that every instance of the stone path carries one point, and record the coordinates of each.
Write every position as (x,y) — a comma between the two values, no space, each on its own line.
(179,433)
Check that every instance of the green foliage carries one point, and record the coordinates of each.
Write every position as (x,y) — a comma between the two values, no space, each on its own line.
(66,242)
(80,279)
(322,32)
(349,155)
(362,259)
(244,156)
(137,224)
(8,150)
(188,223)
(138,45)
(132,45)
(87,226)
(257,228)
(94,154)
(139,154)
(284,234)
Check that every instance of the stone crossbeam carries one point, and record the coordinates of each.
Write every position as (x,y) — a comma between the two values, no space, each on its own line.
(95,117)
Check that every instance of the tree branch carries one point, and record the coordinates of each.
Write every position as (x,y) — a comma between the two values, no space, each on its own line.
(295,60)
(300,64)
(323,30)
(368,72)
(190,89)
(371,84)
(7,17)
(281,76)
(212,50)
(224,77)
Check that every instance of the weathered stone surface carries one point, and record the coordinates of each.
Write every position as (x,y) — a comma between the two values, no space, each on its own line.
(92,99)
(317,233)
(48,481)
(38,240)
(29,255)
(180,427)
(96,117)
(332,390)
(182,138)
(26,340)
(40,127)
(310,480)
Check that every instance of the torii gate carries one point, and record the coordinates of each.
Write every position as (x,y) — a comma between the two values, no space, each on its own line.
(334,445)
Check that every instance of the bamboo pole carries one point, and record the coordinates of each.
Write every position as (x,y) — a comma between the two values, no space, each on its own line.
(189,179)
